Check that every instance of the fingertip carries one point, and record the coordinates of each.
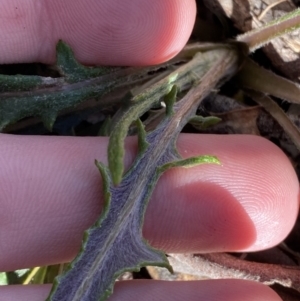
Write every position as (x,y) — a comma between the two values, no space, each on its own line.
(103,32)
(277,194)
(173,32)
(132,32)
(260,176)
(250,202)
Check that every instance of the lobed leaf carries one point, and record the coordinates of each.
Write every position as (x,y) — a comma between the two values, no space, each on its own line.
(115,243)
(74,71)
(141,103)
(25,96)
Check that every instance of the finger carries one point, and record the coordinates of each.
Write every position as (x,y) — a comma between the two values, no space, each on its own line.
(50,192)
(225,290)
(110,32)
(249,203)
(24,292)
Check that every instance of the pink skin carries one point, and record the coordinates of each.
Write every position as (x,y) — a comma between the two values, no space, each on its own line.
(50,190)
(111,32)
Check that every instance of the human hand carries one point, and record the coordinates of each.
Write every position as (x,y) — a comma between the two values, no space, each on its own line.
(50,188)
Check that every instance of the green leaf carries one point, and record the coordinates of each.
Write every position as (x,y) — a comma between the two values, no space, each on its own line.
(132,111)
(142,143)
(74,71)
(190,162)
(17,83)
(200,122)
(170,99)
(105,127)
(114,244)
(187,74)
(44,97)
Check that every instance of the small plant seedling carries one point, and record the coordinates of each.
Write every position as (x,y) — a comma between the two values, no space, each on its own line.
(114,244)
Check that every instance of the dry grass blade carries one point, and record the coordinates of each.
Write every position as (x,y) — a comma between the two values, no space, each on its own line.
(271,107)
(254,77)
(269,7)
(222,266)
